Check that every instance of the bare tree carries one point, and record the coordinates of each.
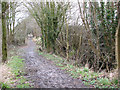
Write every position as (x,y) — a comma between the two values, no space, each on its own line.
(5,6)
(0,36)
(118,43)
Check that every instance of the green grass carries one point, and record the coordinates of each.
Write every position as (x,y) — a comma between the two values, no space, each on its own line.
(26,85)
(88,78)
(4,85)
(115,81)
(86,70)
(17,65)
(104,81)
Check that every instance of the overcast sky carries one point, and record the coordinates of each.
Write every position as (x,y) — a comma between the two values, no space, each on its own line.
(22,14)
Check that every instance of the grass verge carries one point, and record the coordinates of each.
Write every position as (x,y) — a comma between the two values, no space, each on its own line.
(89,78)
(15,78)
(17,68)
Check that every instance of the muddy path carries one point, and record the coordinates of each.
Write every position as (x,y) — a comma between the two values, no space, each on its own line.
(43,73)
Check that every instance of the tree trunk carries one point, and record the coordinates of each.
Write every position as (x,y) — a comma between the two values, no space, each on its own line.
(67,41)
(13,21)
(4,42)
(118,43)
(0,37)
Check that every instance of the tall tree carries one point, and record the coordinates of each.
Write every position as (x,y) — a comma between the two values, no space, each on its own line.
(50,17)
(4,42)
(118,43)
(11,22)
(0,36)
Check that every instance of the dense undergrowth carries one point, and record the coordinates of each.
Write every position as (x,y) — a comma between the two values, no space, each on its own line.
(17,79)
(89,77)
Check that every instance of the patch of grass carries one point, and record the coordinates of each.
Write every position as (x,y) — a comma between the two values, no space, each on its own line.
(115,81)
(59,64)
(86,83)
(26,85)
(4,85)
(78,70)
(92,82)
(104,81)
(86,70)
(11,82)
(22,81)
(89,78)
(63,68)
(51,57)
(17,65)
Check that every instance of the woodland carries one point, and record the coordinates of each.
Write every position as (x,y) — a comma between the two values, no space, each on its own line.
(80,38)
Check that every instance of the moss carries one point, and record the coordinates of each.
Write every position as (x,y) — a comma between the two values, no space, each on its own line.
(4,41)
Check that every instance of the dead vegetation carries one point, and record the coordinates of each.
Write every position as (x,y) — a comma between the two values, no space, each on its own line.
(5,74)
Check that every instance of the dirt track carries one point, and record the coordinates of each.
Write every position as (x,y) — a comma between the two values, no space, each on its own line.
(44,74)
